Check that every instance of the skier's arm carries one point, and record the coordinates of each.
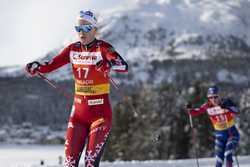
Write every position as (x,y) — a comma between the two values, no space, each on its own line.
(198,111)
(230,106)
(58,61)
(116,62)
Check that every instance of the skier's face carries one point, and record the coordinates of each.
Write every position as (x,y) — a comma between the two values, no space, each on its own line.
(214,100)
(86,37)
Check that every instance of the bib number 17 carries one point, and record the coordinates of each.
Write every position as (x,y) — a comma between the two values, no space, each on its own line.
(82,72)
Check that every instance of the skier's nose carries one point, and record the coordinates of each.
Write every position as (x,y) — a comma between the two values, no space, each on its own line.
(81,33)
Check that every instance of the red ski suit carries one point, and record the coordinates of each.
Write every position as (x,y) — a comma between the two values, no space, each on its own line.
(221,118)
(91,112)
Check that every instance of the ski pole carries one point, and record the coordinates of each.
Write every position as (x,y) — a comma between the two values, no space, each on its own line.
(234,151)
(123,95)
(98,66)
(193,136)
(236,159)
(59,89)
(47,80)
(156,137)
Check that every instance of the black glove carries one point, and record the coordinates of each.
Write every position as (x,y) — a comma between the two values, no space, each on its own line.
(33,68)
(188,106)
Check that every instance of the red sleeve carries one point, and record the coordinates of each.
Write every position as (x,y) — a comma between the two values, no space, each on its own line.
(198,111)
(117,63)
(58,61)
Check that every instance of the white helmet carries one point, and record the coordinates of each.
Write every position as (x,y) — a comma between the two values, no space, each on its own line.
(88,16)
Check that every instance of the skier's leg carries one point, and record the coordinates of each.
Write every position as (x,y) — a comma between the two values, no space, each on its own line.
(74,143)
(220,144)
(99,132)
(232,143)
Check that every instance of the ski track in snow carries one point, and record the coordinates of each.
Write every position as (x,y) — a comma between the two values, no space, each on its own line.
(204,162)
(31,155)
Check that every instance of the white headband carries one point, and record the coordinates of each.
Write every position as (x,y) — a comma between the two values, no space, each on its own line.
(88,16)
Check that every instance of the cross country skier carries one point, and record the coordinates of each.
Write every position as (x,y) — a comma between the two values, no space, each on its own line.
(222,114)
(91,114)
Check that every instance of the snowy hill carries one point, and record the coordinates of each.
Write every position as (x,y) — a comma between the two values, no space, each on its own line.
(11,71)
(173,30)
(152,28)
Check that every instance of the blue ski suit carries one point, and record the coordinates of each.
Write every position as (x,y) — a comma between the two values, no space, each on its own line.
(226,133)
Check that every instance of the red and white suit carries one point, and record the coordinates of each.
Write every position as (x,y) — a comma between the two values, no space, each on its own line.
(91,114)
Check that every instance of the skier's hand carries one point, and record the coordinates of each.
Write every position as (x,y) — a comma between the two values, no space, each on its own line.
(188,106)
(103,66)
(32,68)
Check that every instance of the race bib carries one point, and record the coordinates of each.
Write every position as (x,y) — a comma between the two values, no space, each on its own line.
(95,102)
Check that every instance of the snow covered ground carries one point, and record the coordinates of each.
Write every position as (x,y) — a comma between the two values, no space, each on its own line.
(31,156)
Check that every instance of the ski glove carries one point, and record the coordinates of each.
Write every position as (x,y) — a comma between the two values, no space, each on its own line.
(188,106)
(103,66)
(33,68)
